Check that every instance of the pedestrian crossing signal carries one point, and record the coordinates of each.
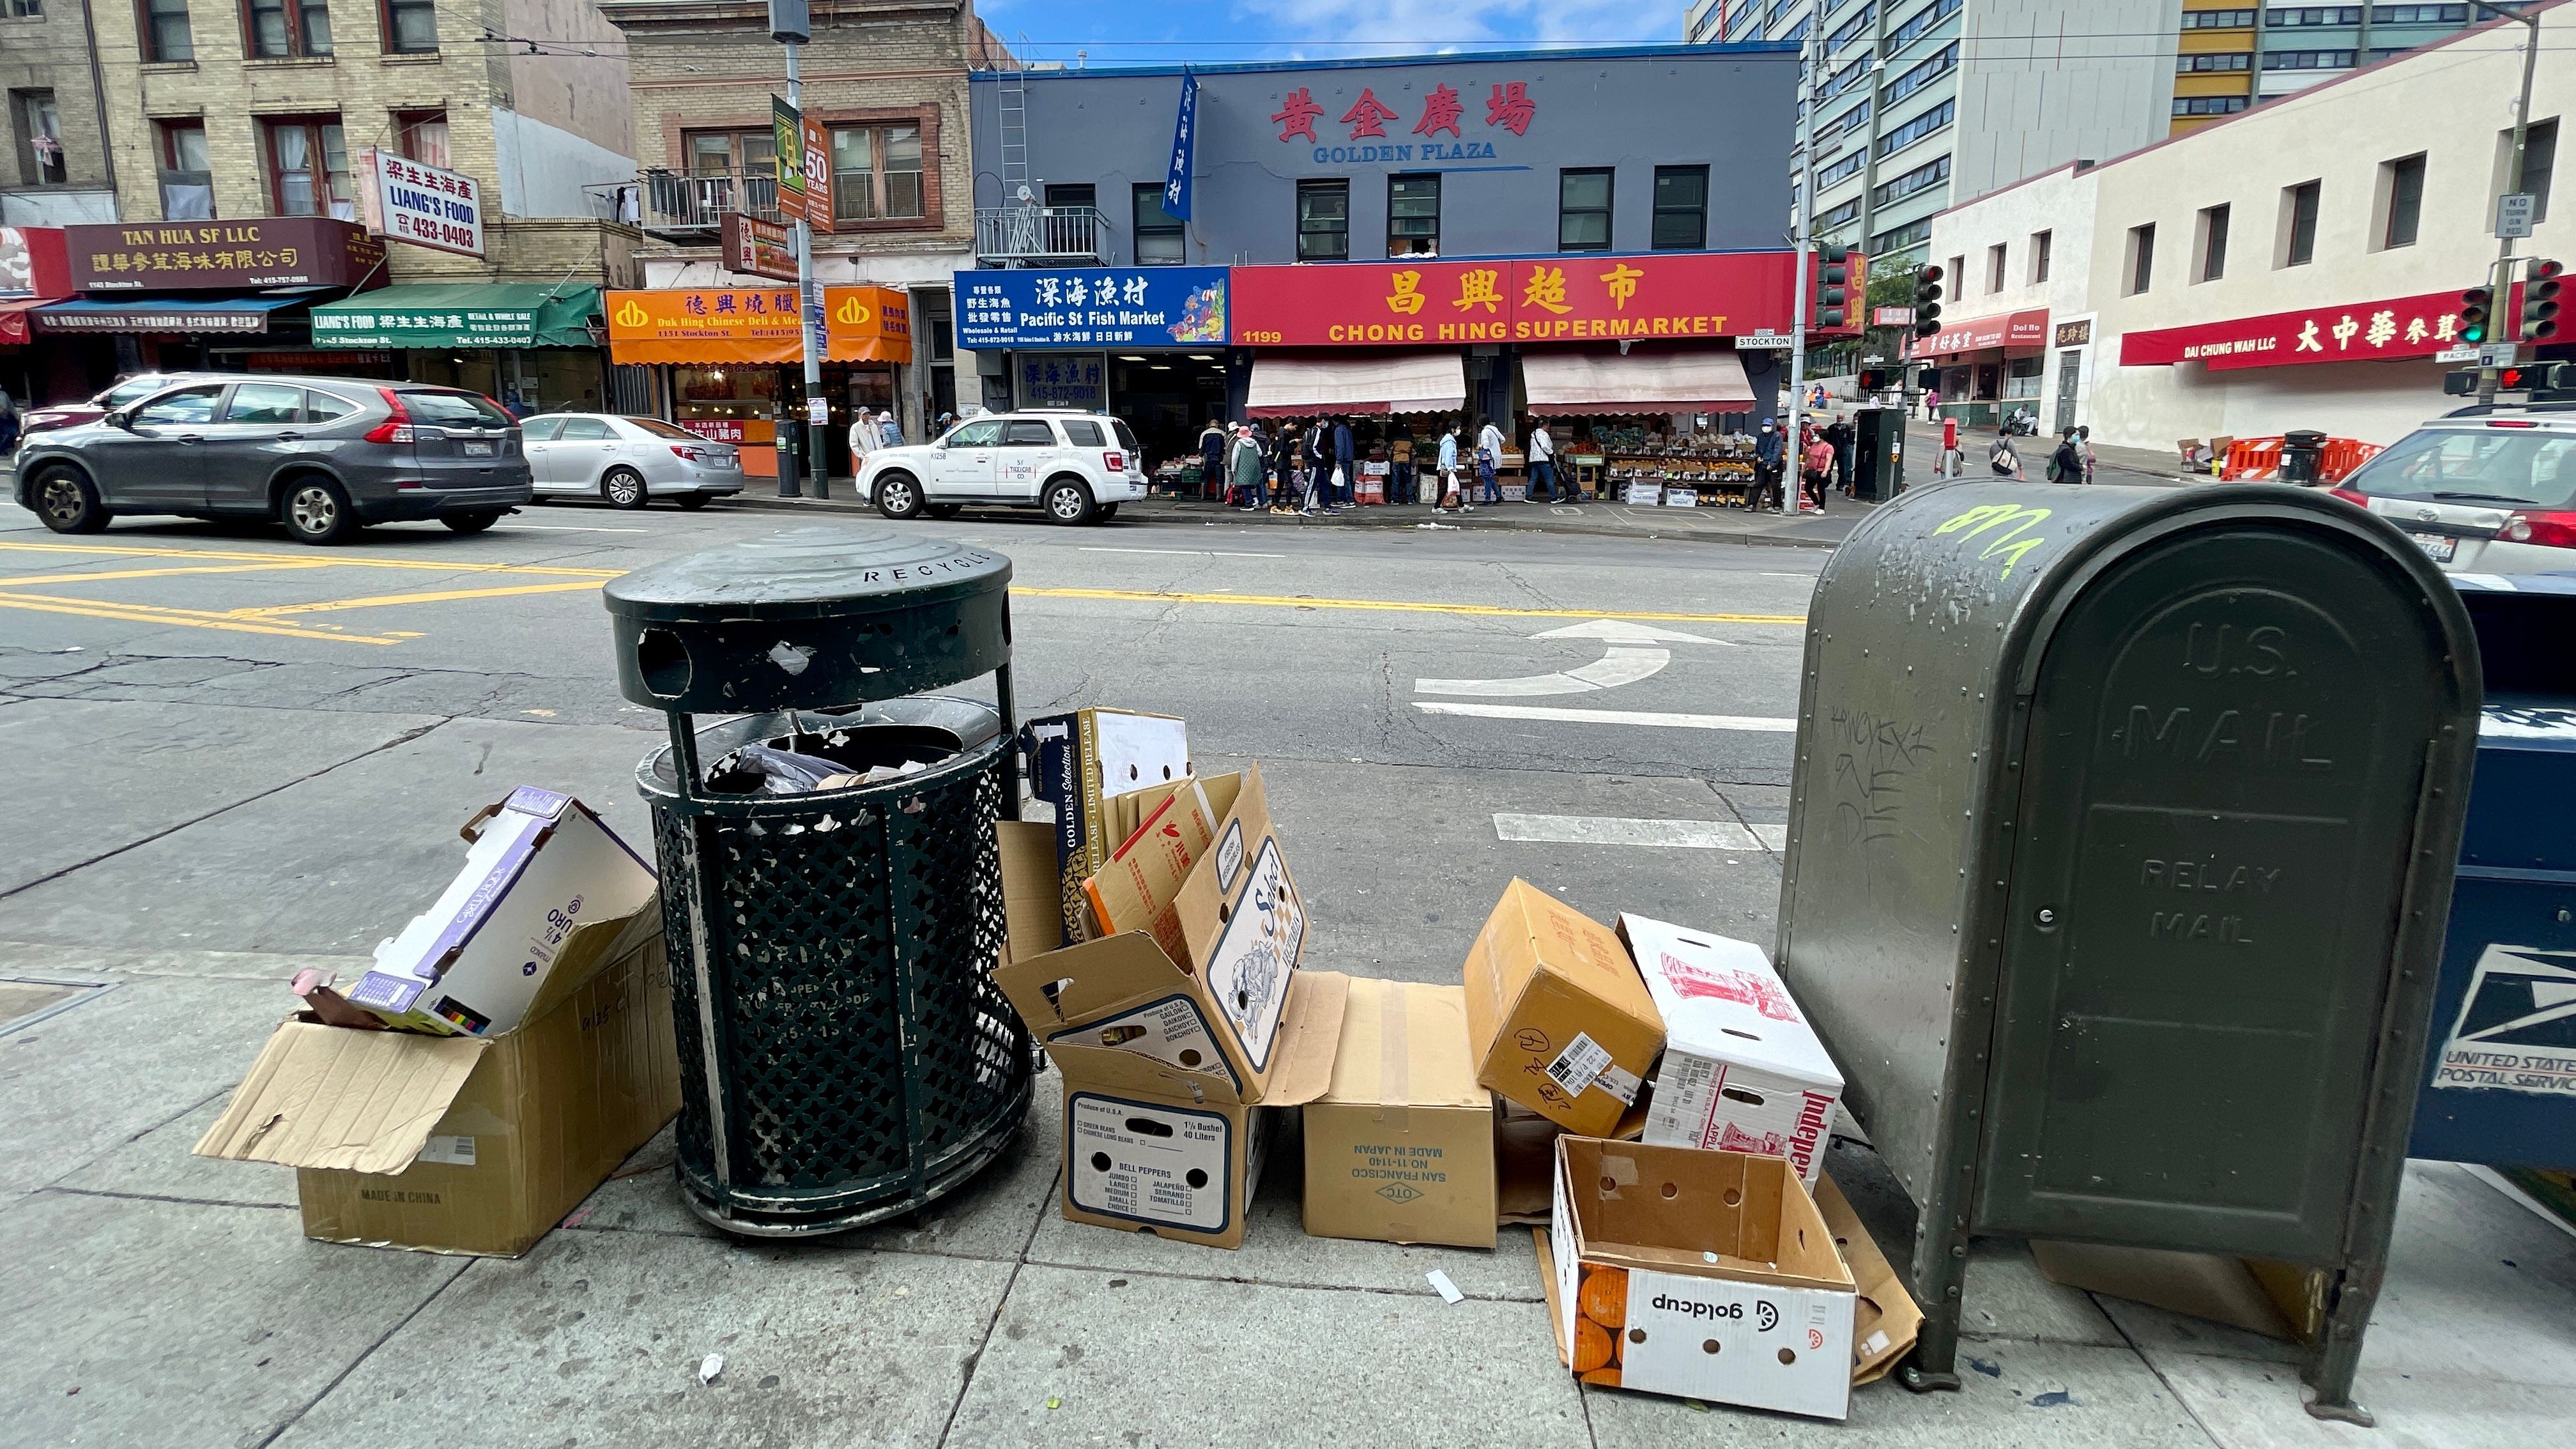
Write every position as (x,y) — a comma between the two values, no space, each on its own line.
(1877,379)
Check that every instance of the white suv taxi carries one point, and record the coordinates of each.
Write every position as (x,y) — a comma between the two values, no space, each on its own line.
(1077,466)
(2484,490)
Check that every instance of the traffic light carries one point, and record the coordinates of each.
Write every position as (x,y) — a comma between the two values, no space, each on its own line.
(2534,377)
(2473,314)
(1877,379)
(2539,300)
(2461,382)
(1831,276)
(1927,301)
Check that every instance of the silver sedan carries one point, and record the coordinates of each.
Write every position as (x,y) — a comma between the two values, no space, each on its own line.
(628,461)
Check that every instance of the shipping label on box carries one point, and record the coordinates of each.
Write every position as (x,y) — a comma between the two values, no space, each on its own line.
(1742,1069)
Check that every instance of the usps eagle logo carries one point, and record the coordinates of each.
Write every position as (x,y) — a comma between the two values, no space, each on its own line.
(2517,1025)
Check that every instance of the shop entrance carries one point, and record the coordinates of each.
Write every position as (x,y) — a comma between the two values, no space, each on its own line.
(1167,398)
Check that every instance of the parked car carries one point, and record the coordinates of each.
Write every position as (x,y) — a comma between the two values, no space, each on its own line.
(325,456)
(2485,490)
(1076,466)
(90,410)
(627,460)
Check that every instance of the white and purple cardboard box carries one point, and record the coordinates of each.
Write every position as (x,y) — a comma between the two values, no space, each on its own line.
(469,965)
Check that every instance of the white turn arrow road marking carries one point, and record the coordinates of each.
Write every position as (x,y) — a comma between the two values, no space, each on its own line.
(1623,664)
(1613,830)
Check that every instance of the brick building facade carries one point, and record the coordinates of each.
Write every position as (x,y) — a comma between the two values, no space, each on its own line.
(58,168)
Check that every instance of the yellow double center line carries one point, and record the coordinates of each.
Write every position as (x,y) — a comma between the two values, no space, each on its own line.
(279,619)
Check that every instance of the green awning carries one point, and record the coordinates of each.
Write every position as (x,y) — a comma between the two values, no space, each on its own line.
(470,314)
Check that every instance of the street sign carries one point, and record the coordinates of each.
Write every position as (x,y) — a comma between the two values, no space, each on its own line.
(1891,316)
(2456,354)
(1764,341)
(2499,354)
(2513,214)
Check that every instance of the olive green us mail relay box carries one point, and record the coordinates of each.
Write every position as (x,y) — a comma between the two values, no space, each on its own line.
(2120,846)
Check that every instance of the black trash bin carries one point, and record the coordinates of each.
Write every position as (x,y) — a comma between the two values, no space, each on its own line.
(2302,455)
(844,1055)
(2122,830)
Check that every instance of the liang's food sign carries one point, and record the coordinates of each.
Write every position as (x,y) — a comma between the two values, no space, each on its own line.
(1360,134)
(425,205)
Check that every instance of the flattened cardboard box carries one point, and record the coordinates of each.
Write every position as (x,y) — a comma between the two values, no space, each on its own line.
(1742,1070)
(1216,1013)
(1557,1016)
(1401,1148)
(1079,763)
(1702,1275)
(470,1144)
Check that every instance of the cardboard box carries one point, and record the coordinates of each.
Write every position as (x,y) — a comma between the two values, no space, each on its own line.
(470,1144)
(539,866)
(1717,1279)
(2225,1290)
(1400,1149)
(1557,1016)
(1079,763)
(1167,1062)
(1742,1070)
(1140,888)
(1885,1318)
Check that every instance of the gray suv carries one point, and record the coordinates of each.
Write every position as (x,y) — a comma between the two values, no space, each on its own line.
(325,456)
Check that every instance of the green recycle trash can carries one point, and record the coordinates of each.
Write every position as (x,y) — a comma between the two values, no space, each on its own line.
(2121,840)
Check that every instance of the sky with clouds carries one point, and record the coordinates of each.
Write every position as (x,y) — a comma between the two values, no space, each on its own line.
(1131,32)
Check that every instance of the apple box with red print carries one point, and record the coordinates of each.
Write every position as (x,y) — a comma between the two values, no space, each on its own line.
(1742,1070)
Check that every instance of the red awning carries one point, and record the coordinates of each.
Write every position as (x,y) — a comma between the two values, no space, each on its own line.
(13,318)
(2022,330)
(1586,383)
(1402,382)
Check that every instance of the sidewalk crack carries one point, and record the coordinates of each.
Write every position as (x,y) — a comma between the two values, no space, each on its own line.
(381,1340)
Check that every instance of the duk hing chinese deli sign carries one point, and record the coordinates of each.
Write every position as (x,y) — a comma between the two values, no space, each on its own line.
(1361,135)
(1704,295)
(2406,327)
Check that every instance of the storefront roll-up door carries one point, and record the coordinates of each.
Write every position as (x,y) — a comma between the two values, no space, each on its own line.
(1413,382)
(2220,798)
(1601,384)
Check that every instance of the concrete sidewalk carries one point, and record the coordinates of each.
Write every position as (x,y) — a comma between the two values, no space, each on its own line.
(2139,466)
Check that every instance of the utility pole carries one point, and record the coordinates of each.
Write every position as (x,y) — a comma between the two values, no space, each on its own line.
(1810,61)
(2501,280)
(791,25)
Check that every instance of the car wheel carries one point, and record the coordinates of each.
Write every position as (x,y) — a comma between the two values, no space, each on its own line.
(695,501)
(1108,511)
(1068,500)
(942,510)
(624,488)
(471,522)
(316,511)
(67,503)
(898,496)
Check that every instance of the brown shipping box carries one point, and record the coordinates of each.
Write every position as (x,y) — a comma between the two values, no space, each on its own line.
(1401,1148)
(1557,1016)
(470,1144)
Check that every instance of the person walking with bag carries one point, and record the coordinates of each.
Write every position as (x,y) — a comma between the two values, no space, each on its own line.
(1248,472)
(1819,466)
(1214,444)
(1542,468)
(1346,471)
(2000,456)
(2066,464)
(1489,458)
(1450,499)
(1769,454)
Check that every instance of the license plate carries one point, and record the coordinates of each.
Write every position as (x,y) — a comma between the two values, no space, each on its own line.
(2437,546)
(478,450)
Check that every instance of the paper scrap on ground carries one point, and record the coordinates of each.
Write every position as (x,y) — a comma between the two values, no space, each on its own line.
(1448,1291)
(709,1367)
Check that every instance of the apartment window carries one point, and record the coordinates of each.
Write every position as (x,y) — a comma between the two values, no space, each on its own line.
(1838,169)
(410,27)
(2041,242)
(1323,221)
(1681,208)
(165,31)
(876,173)
(1994,269)
(1958,273)
(2213,243)
(1924,72)
(1413,216)
(1912,234)
(2299,224)
(422,136)
(1922,178)
(2218,20)
(1841,215)
(1160,239)
(187,182)
(1913,27)
(2418,14)
(1851,120)
(2229,60)
(1935,119)
(2403,180)
(37,137)
(308,168)
(1583,210)
(2297,16)
(2142,258)
(1843,80)
(1852,29)
(2208,105)
(280,29)
(733,153)
(2307,59)
(2539,159)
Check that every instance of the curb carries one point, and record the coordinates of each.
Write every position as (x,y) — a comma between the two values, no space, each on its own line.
(772,504)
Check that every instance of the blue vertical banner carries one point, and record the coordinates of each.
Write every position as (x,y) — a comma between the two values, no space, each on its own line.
(1185,125)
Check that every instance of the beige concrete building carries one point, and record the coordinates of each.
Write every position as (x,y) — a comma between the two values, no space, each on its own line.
(887,78)
(58,171)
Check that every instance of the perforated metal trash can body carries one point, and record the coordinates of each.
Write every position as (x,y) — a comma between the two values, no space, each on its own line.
(2121,834)
(844,1056)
